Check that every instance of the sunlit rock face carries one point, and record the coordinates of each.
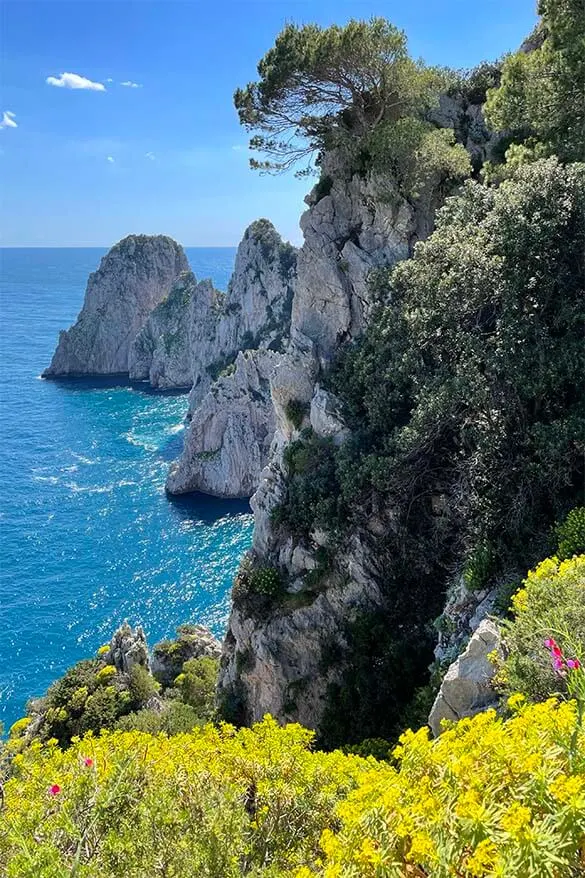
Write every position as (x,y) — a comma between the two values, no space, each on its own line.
(133,277)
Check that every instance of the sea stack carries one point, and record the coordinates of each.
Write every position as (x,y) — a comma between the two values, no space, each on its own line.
(133,277)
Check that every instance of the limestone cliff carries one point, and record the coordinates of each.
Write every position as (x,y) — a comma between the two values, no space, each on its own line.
(179,341)
(280,659)
(232,421)
(229,436)
(133,277)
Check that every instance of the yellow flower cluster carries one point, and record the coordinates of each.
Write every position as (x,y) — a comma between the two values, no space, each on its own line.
(488,798)
(215,802)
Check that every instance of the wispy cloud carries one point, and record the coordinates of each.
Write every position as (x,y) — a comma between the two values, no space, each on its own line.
(8,120)
(237,148)
(74,80)
(110,159)
(151,156)
(109,79)
(129,84)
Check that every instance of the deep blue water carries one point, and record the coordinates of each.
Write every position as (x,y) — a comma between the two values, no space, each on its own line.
(88,537)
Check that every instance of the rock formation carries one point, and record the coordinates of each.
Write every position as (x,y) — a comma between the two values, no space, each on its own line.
(354,223)
(232,422)
(133,277)
(467,686)
(169,656)
(128,647)
(226,446)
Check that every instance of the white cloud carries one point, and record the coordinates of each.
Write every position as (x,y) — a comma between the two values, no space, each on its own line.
(73,80)
(129,84)
(8,120)
(151,156)
(109,79)
(110,159)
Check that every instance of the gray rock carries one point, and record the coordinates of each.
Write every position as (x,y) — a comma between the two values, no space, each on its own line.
(467,686)
(226,446)
(133,277)
(326,418)
(128,647)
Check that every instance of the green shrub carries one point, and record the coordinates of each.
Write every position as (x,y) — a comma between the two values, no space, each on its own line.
(174,718)
(571,534)
(141,685)
(550,604)
(196,684)
(295,411)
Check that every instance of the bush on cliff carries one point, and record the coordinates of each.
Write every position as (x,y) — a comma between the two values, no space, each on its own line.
(550,604)
(541,98)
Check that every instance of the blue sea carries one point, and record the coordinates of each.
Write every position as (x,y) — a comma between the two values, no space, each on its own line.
(88,536)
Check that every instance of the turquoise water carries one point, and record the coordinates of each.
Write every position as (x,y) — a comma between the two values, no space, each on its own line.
(88,537)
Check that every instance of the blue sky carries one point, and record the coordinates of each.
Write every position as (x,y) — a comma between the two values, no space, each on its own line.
(84,167)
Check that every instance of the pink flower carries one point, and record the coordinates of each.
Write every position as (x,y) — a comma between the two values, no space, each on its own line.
(54,790)
(558,663)
(88,762)
(573,664)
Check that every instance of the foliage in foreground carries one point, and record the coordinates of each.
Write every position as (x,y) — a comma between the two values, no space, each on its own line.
(551,603)
(215,803)
(489,797)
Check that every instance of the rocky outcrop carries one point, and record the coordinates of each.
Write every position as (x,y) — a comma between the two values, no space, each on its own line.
(277,664)
(133,277)
(352,225)
(228,440)
(128,647)
(464,610)
(169,656)
(355,223)
(232,421)
(467,686)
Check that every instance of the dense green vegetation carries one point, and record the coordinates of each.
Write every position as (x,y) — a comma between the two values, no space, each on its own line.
(541,99)
(94,695)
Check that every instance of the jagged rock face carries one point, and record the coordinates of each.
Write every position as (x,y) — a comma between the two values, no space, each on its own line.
(132,279)
(467,686)
(228,440)
(260,291)
(276,664)
(232,424)
(358,225)
(128,647)
(354,224)
(464,610)
(181,339)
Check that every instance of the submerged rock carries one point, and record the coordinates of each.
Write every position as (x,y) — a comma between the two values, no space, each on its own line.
(133,277)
